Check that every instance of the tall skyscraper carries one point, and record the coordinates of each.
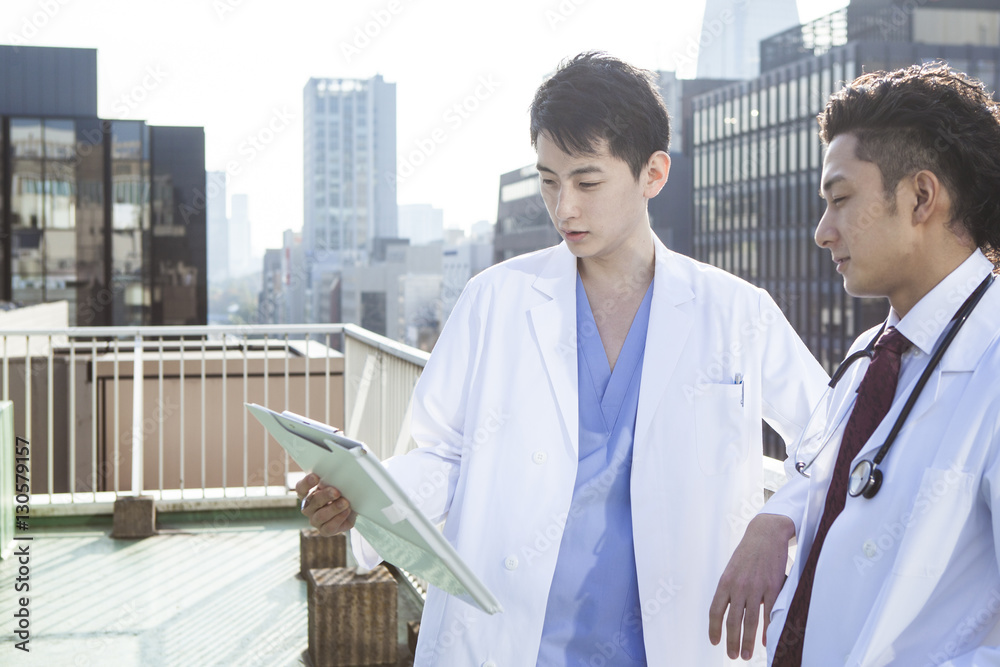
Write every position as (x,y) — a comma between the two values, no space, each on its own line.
(240,263)
(350,167)
(218,227)
(731,33)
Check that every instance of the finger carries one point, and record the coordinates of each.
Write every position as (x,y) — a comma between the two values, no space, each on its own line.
(734,621)
(716,612)
(341,522)
(318,498)
(305,485)
(329,517)
(749,630)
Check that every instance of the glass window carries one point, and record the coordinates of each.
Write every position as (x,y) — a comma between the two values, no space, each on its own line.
(816,99)
(772,105)
(782,102)
(986,71)
(27,210)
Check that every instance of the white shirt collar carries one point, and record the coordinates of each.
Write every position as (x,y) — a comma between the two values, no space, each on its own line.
(923,325)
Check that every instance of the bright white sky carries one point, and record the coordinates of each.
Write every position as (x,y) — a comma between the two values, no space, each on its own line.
(238,68)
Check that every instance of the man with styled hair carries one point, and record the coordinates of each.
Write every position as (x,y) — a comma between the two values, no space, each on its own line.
(899,537)
(592,412)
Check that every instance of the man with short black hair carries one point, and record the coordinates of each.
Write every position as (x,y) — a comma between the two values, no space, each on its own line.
(899,538)
(590,419)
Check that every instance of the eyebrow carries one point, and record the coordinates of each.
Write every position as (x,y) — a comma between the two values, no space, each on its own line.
(830,183)
(588,169)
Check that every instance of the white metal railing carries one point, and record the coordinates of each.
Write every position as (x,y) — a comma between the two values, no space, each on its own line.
(181,434)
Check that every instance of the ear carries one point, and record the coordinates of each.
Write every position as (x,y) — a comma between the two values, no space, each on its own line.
(931,198)
(654,176)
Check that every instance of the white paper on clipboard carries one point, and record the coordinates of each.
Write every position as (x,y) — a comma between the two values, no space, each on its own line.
(391,523)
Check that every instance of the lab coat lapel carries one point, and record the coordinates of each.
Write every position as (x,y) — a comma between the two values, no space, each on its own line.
(962,355)
(668,330)
(554,325)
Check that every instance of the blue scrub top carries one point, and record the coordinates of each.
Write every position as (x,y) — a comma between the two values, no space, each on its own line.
(593,615)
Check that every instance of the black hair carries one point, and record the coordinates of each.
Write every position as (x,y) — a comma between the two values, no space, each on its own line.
(594,96)
(928,117)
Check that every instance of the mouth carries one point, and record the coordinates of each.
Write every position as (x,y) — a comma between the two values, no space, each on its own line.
(841,262)
(572,236)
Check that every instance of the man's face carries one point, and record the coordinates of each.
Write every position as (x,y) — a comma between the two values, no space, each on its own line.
(594,201)
(874,248)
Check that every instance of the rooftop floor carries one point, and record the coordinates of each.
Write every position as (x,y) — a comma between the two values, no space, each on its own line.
(211,588)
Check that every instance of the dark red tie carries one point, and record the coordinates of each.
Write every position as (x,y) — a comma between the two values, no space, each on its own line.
(875,394)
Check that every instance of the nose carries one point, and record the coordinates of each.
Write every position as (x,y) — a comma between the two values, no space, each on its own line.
(566,204)
(825,232)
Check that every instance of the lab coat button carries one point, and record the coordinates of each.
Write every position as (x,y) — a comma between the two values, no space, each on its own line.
(539,457)
(870,549)
(510,563)
(489,663)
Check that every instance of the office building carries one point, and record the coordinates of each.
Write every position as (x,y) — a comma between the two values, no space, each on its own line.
(218,228)
(421,223)
(283,286)
(523,223)
(350,168)
(758,159)
(241,262)
(379,297)
(731,33)
(108,215)
(459,263)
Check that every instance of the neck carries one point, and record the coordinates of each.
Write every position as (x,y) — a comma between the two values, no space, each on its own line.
(930,274)
(631,265)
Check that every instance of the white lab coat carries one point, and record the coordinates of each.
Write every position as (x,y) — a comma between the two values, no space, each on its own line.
(496,415)
(910,577)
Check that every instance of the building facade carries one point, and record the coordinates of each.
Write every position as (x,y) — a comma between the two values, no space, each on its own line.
(732,31)
(108,215)
(350,167)
(758,157)
(218,228)
(421,223)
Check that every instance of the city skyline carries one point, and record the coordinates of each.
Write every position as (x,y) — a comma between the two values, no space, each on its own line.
(238,68)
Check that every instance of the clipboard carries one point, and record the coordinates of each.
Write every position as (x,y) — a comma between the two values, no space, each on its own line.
(397,530)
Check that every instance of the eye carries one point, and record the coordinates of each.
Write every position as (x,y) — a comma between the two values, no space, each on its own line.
(589,185)
(547,181)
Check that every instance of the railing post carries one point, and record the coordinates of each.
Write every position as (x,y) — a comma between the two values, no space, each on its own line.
(137,376)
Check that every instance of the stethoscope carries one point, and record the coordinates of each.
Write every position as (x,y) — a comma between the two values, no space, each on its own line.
(866,477)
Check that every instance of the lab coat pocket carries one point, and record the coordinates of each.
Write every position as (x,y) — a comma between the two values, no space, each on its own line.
(931,528)
(721,434)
